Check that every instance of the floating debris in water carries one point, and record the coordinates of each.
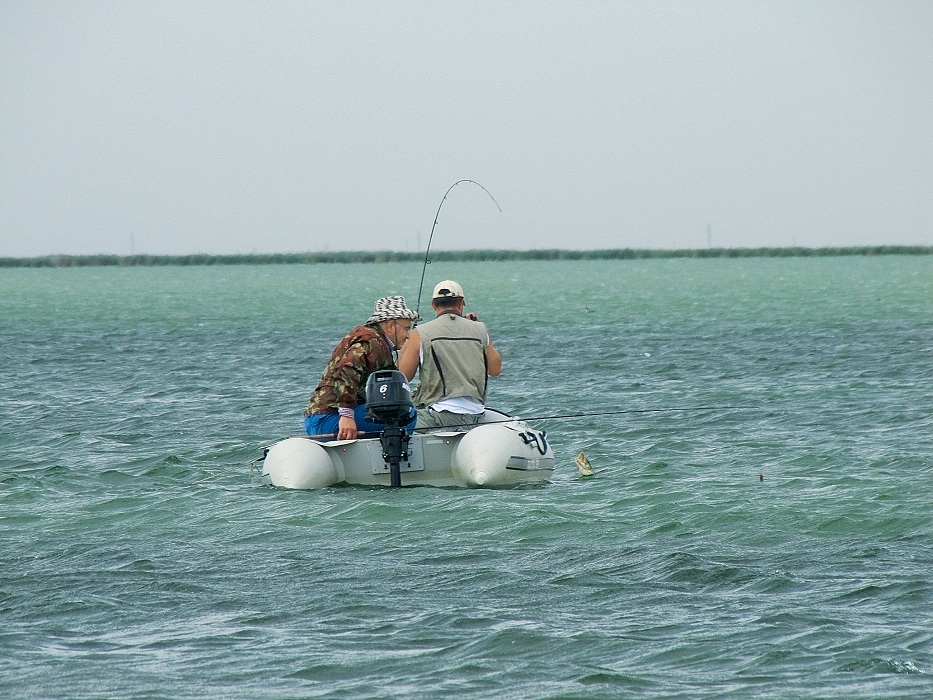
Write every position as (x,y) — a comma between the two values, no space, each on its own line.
(584,466)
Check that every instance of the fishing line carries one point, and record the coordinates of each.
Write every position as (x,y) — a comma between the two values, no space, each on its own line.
(645,410)
(362,435)
(613,413)
(427,251)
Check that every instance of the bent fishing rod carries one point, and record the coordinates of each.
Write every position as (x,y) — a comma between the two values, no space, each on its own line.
(427,251)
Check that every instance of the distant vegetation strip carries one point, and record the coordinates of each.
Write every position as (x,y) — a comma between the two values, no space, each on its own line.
(449,255)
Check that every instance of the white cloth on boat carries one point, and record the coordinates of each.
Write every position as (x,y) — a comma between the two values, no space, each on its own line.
(460,404)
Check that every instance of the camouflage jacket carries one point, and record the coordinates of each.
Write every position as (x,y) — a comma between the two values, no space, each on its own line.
(362,352)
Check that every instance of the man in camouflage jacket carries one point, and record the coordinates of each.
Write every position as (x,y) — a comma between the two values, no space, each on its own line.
(337,406)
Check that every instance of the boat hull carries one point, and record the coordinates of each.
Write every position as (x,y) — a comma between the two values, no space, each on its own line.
(493,455)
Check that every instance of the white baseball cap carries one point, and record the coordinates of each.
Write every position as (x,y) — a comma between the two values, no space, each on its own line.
(448,289)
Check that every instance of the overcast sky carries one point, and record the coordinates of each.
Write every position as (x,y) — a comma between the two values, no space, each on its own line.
(237,127)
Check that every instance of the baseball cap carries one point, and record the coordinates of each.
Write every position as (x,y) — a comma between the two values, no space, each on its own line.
(447,288)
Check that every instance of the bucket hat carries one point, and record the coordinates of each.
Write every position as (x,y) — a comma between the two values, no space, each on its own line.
(391,308)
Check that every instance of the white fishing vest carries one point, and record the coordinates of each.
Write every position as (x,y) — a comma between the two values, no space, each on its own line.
(453,359)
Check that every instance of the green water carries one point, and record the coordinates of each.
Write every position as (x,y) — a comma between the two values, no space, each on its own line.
(779,550)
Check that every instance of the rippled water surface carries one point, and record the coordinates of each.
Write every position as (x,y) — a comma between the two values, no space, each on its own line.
(777,543)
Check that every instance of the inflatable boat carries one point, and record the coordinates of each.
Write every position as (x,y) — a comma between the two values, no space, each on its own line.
(499,452)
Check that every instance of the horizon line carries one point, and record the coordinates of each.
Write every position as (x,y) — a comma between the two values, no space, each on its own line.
(470,255)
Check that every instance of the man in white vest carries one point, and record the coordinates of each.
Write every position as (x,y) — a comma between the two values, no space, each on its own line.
(456,359)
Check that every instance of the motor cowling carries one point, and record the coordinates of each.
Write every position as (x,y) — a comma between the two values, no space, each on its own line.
(388,397)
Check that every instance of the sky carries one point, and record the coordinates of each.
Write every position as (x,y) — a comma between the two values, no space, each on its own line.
(171,128)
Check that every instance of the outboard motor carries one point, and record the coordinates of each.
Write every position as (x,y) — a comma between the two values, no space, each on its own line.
(388,400)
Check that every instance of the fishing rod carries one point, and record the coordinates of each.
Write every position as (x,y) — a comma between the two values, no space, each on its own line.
(427,251)
(615,413)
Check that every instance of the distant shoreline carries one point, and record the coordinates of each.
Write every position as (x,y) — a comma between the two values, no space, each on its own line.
(449,256)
